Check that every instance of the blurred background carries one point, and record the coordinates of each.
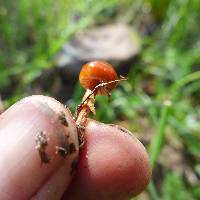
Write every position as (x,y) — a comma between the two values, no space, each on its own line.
(43,45)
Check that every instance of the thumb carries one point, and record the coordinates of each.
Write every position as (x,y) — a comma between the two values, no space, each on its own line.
(21,173)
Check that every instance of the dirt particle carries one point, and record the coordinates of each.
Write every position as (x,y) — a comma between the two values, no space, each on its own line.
(41,145)
(62,151)
(121,129)
(62,119)
(74,166)
(72,148)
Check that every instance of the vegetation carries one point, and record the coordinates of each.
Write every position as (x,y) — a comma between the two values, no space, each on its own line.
(162,94)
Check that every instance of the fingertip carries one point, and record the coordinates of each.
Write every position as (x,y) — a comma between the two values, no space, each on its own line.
(20,164)
(113,165)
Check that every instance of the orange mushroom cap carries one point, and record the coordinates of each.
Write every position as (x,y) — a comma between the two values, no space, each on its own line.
(95,73)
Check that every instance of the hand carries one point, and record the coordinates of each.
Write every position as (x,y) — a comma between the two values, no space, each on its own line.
(112,164)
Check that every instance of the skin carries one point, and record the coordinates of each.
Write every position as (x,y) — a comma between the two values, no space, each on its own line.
(112,164)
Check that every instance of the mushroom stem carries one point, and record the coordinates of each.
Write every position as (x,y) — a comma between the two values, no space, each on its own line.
(82,113)
(87,106)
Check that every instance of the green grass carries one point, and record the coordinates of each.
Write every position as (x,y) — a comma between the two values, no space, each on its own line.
(32,32)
